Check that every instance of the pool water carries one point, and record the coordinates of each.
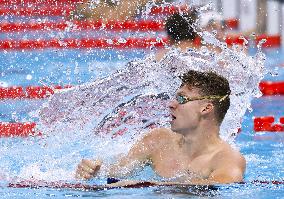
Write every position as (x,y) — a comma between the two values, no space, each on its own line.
(264,152)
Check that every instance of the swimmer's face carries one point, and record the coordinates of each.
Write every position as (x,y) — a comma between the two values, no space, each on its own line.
(186,116)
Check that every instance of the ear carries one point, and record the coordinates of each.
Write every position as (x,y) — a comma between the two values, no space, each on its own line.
(207,108)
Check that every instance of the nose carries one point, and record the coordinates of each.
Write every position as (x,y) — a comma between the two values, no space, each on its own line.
(173,104)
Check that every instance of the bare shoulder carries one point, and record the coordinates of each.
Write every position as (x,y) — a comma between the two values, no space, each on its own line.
(159,133)
(158,136)
(230,156)
(228,165)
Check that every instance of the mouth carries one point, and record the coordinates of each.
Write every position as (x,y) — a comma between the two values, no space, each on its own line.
(173,117)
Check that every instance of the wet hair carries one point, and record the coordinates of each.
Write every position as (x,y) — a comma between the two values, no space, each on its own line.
(180,26)
(210,83)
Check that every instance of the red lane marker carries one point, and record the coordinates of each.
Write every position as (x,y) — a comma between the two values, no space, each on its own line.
(31,92)
(42,11)
(61,9)
(271,40)
(104,43)
(34,92)
(28,129)
(232,23)
(157,10)
(266,124)
(64,8)
(82,43)
(18,129)
(272,88)
(147,25)
(37,2)
(144,25)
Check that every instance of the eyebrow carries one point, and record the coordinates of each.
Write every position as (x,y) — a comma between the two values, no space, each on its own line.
(180,93)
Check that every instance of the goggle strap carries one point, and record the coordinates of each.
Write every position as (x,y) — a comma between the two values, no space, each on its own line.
(223,98)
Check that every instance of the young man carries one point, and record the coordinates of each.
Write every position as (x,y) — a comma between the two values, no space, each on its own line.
(191,152)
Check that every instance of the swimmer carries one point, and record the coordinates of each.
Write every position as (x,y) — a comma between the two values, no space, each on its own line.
(110,9)
(180,28)
(191,152)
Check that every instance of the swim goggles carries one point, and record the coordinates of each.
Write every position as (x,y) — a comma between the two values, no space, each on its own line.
(181,99)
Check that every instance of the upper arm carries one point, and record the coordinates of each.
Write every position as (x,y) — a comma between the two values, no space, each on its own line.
(228,169)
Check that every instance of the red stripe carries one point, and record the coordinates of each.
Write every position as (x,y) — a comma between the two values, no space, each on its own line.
(43,11)
(168,9)
(31,92)
(38,92)
(148,25)
(232,23)
(82,43)
(61,9)
(18,129)
(272,88)
(38,2)
(272,41)
(28,129)
(267,124)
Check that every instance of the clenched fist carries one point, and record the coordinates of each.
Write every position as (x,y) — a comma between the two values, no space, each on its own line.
(88,169)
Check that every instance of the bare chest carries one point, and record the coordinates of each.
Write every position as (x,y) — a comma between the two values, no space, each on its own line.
(173,163)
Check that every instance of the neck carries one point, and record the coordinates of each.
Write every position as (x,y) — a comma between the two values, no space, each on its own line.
(201,140)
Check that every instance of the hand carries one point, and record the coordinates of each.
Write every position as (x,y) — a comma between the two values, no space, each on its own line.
(87,169)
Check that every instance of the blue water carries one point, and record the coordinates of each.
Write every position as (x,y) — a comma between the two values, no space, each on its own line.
(264,152)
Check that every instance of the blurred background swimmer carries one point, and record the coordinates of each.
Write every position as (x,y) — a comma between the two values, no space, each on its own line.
(181,31)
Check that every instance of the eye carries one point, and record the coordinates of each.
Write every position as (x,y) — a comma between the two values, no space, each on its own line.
(181,99)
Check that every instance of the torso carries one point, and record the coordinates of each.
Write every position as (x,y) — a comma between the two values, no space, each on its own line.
(170,161)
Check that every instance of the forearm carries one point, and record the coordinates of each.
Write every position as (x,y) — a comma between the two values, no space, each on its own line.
(120,169)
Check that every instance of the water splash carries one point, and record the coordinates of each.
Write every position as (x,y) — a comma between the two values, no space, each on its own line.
(104,118)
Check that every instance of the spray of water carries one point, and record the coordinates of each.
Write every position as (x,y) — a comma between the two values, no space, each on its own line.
(104,118)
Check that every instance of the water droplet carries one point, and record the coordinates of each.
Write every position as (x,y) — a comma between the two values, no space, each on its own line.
(29,77)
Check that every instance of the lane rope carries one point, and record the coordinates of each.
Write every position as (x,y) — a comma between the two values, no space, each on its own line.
(141,25)
(39,92)
(88,187)
(83,43)
(25,129)
(272,88)
(30,92)
(18,129)
(38,2)
(66,9)
(145,25)
(267,124)
(122,43)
